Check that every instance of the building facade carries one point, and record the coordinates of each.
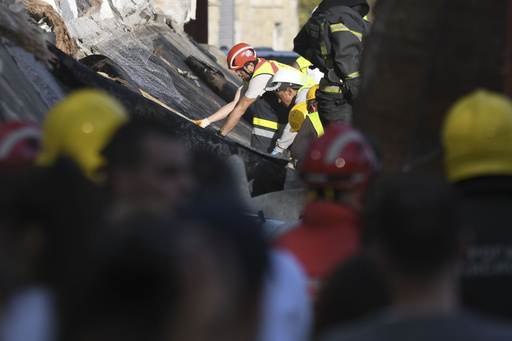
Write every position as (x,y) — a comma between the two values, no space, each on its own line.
(260,23)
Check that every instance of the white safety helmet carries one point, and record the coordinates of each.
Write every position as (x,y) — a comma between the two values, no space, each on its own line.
(285,76)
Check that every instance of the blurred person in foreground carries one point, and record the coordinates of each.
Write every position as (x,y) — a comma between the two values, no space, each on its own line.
(336,169)
(46,214)
(477,142)
(416,240)
(232,244)
(285,310)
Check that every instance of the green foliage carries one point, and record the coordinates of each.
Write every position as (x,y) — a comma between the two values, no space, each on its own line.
(305,9)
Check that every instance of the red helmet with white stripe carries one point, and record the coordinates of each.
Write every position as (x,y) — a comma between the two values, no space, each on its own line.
(20,142)
(239,55)
(340,159)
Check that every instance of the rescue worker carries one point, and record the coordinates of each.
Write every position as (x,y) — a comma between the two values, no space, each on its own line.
(291,88)
(311,129)
(79,127)
(336,169)
(270,116)
(477,142)
(415,241)
(332,40)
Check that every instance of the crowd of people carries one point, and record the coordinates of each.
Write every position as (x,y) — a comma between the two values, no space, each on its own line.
(111,229)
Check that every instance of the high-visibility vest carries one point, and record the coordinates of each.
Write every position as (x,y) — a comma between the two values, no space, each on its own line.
(270,67)
(317,124)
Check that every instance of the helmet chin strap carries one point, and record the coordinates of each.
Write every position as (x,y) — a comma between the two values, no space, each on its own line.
(247,72)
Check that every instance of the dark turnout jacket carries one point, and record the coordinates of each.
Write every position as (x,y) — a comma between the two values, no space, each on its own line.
(332,40)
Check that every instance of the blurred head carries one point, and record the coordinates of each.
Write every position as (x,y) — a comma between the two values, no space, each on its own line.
(79,127)
(45,215)
(149,168)
(353,290)
(20,143)
(339,161)
(477,136)
(415,222)
(223,301)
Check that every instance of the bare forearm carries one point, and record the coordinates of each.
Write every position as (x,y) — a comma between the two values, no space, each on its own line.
(225,110)
(235,115)
(232,120)
(222,112)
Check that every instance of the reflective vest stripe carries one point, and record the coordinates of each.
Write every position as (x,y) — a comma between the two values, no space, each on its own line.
(269,67)
(341,27)
(275,68)
(353,75)
(264,133)
(265,123)
(323,46)
(317,124)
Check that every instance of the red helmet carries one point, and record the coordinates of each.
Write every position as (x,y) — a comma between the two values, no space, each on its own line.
(239,55)
(20,142)
(340,159)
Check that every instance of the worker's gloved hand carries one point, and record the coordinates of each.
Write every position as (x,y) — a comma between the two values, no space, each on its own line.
(275,152)
(202,123)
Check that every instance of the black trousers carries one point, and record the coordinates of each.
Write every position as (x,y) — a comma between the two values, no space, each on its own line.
(270,118)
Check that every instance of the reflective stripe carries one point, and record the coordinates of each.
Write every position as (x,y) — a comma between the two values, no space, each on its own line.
(264,133)
(353,75)
(341,27)
(328,86)
(269,67)
(265,123)
(275,68)
(317,124)
(323,47)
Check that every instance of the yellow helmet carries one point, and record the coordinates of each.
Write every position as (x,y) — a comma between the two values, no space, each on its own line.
(80,126)
(312,93)
(477,136)
(297,116)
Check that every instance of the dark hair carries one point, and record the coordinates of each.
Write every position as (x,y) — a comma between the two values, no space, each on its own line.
(126,146)
(353,290)
(417,220)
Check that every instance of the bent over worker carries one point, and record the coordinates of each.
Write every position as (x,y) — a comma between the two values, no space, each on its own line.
(290,88)
(270,116)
